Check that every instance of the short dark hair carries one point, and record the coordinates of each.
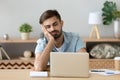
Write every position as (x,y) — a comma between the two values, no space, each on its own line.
(48,14)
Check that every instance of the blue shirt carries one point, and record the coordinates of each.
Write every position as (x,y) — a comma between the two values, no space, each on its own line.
(72,43)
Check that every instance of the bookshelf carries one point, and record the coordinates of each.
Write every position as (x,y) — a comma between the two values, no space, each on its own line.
(17,41)
(18,63)
(16,47)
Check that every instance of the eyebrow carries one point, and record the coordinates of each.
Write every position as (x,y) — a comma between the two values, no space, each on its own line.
(55,22)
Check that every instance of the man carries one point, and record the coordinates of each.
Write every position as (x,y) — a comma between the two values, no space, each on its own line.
(54,40)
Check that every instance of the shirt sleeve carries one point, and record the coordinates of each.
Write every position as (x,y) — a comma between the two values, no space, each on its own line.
(80,44)
(40,45)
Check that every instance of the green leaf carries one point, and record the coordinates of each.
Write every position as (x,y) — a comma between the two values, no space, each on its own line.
(108,8)
(25,28)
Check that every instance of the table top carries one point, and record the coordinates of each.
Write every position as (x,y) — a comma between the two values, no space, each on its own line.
(24,74)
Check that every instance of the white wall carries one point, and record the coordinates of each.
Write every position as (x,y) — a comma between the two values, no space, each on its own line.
(74,13)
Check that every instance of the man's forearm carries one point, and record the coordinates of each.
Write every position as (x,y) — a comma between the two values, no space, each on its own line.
(44,56)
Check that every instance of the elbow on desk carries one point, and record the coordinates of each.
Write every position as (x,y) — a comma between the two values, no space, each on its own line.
(40,68)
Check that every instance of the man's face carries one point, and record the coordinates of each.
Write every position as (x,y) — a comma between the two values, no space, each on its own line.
(53,26)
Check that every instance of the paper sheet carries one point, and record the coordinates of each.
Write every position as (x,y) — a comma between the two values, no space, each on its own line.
(104,72)
(38,74)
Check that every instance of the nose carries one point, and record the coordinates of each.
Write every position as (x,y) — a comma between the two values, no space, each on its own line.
(52,28)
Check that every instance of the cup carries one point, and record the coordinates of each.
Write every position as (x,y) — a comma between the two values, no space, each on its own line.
(117,63)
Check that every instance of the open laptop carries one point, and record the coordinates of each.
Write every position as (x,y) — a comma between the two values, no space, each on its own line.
(69,64)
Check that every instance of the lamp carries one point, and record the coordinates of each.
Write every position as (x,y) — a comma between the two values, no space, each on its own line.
(95,18)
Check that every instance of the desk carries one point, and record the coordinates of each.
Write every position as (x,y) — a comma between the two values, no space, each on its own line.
(24,75)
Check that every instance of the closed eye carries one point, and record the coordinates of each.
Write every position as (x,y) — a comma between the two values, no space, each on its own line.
(55,23)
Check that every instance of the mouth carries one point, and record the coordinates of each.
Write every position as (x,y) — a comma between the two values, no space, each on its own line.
(54,32)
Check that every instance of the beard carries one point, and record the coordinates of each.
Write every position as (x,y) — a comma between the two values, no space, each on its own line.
(56,34)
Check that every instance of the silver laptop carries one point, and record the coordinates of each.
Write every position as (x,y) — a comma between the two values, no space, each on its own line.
(69,64)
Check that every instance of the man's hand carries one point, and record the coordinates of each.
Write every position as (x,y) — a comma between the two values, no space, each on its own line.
(82,50)
(47,34)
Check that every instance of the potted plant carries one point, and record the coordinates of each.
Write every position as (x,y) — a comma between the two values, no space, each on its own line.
(108,9)
(111,14)
(25,30)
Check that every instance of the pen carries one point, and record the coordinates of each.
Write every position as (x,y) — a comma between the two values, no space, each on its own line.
(95,70)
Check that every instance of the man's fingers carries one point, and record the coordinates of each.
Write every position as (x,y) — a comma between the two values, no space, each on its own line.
(46,33)
(43,28)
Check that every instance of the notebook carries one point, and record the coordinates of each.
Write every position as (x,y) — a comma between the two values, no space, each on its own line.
(69,64)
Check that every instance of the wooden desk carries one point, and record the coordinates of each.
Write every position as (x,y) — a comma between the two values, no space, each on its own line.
(24,75)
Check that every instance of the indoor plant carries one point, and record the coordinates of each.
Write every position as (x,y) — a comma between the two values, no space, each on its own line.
(111,14)
(25,30)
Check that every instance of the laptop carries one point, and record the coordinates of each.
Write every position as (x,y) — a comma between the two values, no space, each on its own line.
(69,64)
